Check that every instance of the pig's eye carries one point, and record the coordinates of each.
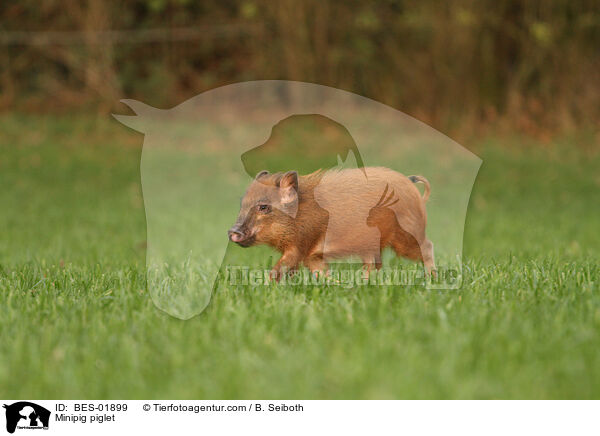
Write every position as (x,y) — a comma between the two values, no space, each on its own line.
(264,208)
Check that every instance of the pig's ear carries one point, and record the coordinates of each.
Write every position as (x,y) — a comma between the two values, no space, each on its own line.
(261,174)
(288,185)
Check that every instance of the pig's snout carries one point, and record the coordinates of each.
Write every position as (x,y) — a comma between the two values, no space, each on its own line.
(240,236)
(235,234)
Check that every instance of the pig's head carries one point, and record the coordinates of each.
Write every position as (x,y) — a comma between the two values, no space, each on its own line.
(267,209)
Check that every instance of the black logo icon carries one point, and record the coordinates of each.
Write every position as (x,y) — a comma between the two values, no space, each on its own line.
(26,415)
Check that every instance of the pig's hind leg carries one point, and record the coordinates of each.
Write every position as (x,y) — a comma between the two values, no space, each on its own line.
(405,245)
(427,254)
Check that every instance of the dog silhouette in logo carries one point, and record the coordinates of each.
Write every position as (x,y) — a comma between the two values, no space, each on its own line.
(303,143)
(25,414)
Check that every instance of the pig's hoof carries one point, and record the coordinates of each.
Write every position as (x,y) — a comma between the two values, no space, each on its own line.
(274,276)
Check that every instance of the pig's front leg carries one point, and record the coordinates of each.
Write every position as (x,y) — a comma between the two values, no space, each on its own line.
(289,261)
(317,265)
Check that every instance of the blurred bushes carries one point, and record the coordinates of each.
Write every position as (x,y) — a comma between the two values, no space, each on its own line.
(532,66)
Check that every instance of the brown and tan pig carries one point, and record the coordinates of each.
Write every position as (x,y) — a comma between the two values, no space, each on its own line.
(328,215)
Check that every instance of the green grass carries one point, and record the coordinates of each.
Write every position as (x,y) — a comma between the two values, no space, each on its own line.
(76,319)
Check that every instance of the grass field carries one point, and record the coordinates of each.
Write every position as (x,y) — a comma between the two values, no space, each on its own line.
(77,322)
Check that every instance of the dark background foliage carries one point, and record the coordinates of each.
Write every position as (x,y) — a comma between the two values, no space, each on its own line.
(527,66)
